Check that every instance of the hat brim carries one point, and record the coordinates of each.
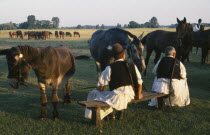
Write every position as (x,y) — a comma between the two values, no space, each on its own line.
(123,51)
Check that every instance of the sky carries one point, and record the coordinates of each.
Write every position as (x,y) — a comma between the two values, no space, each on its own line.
(107,12)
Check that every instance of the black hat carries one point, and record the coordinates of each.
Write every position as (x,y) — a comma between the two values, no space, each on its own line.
(199,20)
(117,49)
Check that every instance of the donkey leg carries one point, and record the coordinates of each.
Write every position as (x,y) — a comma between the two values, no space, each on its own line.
(66,89)
(43,99)
(54,101)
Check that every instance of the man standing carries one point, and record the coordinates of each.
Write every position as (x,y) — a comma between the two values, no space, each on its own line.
(171,78)
(198,26)
(123,78)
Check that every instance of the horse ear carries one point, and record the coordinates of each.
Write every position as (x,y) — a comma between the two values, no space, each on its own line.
(141,36)
(4,52)
(178,20)
(185,20)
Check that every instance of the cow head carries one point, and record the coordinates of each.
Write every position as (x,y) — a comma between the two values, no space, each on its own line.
(17,66)
(181,28)
(135,51)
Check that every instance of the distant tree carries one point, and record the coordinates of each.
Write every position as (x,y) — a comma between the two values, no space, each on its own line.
(133,24)
(97,26)
(23,25)
(38,24)
(102,26)
(8,26)
(79,26)
(46,24)
(31,21)
(125,26)
(147,25)
(154,23)
(119,25)
(55,22)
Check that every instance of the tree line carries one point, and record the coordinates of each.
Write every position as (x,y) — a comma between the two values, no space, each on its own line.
(153,23)
(32,23)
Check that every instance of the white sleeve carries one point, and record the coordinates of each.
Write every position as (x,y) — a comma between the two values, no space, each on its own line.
(196,28)
(154,71)
(140,81)
(183,71)
(104,77)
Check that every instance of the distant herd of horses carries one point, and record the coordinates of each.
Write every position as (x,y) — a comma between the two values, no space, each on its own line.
(55,66)
(42,35)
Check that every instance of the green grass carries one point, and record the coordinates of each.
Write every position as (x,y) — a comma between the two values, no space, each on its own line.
(19,109)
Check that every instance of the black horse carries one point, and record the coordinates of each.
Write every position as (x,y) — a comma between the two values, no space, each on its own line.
(102,41)
(197,39)
(157,41)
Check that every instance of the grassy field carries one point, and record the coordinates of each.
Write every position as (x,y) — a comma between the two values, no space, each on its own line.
(19,109)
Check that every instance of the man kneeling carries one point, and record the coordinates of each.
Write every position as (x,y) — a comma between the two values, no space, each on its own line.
(123,79)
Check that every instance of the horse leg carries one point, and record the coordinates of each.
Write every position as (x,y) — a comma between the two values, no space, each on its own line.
(149,52)
(157,56)
(66,91)
(98,69)
(196,51)
(43,99)
(204,55)
(54,101)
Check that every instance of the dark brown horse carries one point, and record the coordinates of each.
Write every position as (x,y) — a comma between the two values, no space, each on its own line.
(68,34)
(56,34)
(61,33)
(10,34)
(198,39)
(76,34)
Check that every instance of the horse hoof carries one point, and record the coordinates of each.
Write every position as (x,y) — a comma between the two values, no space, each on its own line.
(55,118)
(42,118)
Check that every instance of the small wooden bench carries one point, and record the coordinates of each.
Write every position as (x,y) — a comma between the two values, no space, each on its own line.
(95,106)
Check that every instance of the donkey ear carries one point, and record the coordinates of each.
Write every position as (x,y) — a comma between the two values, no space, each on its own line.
(185,20)
(178,20)
(4,52)
(141,36)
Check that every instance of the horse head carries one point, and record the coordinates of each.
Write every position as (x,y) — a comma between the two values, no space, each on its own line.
(135,51)
(17,66)
(181,28)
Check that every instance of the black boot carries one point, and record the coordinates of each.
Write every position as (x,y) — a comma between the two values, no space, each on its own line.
(119,114)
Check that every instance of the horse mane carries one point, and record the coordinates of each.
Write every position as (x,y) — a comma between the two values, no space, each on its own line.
(27,51)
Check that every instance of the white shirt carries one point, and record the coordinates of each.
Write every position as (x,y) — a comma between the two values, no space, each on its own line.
(105,79)
(197,28)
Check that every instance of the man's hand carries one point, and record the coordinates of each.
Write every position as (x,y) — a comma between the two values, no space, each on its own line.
(139,96)
(139,93)
(101,88)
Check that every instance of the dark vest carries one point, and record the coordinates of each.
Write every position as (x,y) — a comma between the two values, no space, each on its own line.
(165,68)
(120,75)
